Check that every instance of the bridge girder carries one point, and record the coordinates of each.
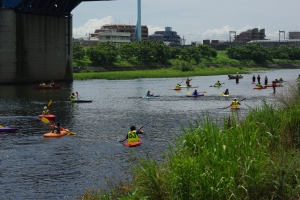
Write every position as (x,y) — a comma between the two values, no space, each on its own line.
(44,7)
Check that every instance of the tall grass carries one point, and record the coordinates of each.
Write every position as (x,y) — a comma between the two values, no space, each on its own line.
(254,158)
(159,73)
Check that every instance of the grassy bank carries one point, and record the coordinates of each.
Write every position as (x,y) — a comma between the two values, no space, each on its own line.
(254,158)
(161,73)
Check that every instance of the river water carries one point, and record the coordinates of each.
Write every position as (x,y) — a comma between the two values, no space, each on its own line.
(34,167)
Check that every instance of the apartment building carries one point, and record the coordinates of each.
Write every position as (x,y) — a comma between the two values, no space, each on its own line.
(111,35)
(168,36)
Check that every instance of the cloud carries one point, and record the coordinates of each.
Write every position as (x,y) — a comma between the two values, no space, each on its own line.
(91,26)
(152,29)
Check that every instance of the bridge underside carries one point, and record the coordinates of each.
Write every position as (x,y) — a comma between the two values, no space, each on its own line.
(44,7)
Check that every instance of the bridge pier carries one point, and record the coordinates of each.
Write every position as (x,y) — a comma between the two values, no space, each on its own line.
(34,48)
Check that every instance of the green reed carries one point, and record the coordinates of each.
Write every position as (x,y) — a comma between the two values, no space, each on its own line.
(159,73)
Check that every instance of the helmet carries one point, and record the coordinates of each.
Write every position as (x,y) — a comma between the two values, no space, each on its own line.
(45,107)
(234,99)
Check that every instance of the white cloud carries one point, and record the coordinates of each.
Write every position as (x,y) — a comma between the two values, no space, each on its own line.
(152,29)
(91,26)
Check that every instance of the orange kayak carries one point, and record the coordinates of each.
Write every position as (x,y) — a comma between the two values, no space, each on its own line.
(50,134)
(235,107)
(133,144)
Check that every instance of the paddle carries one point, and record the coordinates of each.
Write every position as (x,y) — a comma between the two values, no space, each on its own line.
(198,92)
(229,106)
(138,129)
(77,94)
(50,102)
(1,126)
(45,120)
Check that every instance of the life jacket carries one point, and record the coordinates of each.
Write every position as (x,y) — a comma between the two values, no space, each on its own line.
(133,136)
(45,112)
(56,129)
(72,98)
(218,83)
(177,86)
(235,103)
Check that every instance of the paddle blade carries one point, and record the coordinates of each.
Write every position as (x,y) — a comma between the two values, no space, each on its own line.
(204,92)
(221,93)
(45,120)
(1,126)
(50,102)
(71,133)
(189,92)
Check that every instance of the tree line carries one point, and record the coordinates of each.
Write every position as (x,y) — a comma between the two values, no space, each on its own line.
(260,54)
(146,51)
(149,51)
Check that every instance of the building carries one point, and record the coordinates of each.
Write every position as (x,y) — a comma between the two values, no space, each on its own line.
(294,35)
(168,36)
(89,42)
(123,28)
(111,35)
(249,35)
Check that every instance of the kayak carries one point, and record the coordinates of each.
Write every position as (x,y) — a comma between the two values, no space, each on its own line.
(177,88)
(235,107)
(78,101)
(263,87)
(152,96)
(225,95)
(62,133)
(189,86)
(8,129)
(198,95)
(37,87)
(133,144)
(48,116)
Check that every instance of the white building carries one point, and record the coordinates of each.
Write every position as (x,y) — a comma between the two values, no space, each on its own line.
(111,35)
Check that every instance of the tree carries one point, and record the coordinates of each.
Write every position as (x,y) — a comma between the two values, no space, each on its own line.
(78,52)
(191,52)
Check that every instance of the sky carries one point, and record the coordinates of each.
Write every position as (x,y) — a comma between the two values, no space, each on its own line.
(193,20)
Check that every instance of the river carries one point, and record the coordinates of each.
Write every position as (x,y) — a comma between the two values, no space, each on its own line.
(34,167)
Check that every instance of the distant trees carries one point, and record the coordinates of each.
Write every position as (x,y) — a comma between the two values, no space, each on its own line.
(78,52)
(260,54)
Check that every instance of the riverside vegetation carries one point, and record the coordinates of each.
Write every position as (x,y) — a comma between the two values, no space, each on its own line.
(189,61)
(253,158)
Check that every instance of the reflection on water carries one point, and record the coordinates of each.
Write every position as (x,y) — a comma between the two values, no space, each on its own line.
(33,167)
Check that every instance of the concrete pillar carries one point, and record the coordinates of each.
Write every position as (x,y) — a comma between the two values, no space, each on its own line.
(34,48)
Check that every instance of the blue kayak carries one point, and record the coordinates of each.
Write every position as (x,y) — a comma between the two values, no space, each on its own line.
(8,129)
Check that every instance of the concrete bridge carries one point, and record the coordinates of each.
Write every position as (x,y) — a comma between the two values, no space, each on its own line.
(36,40)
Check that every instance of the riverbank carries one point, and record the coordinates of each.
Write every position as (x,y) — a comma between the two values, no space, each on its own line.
(257,158)
(163,73)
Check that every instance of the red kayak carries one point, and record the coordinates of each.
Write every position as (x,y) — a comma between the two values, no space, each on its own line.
(235,107)
(177,89)
(133,144)
(51,117)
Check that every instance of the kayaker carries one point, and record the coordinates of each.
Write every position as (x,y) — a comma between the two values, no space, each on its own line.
(187,82)
(274,86)
(259,85)
(45,111)
(177,86)
(266,80)
(51,83)
(195,93)
(43,84)
(132,135)
(148,94)
(72,97)
(226,92)
(235,102)
(57,129)
(253,78)
(258,78)
(218,84)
